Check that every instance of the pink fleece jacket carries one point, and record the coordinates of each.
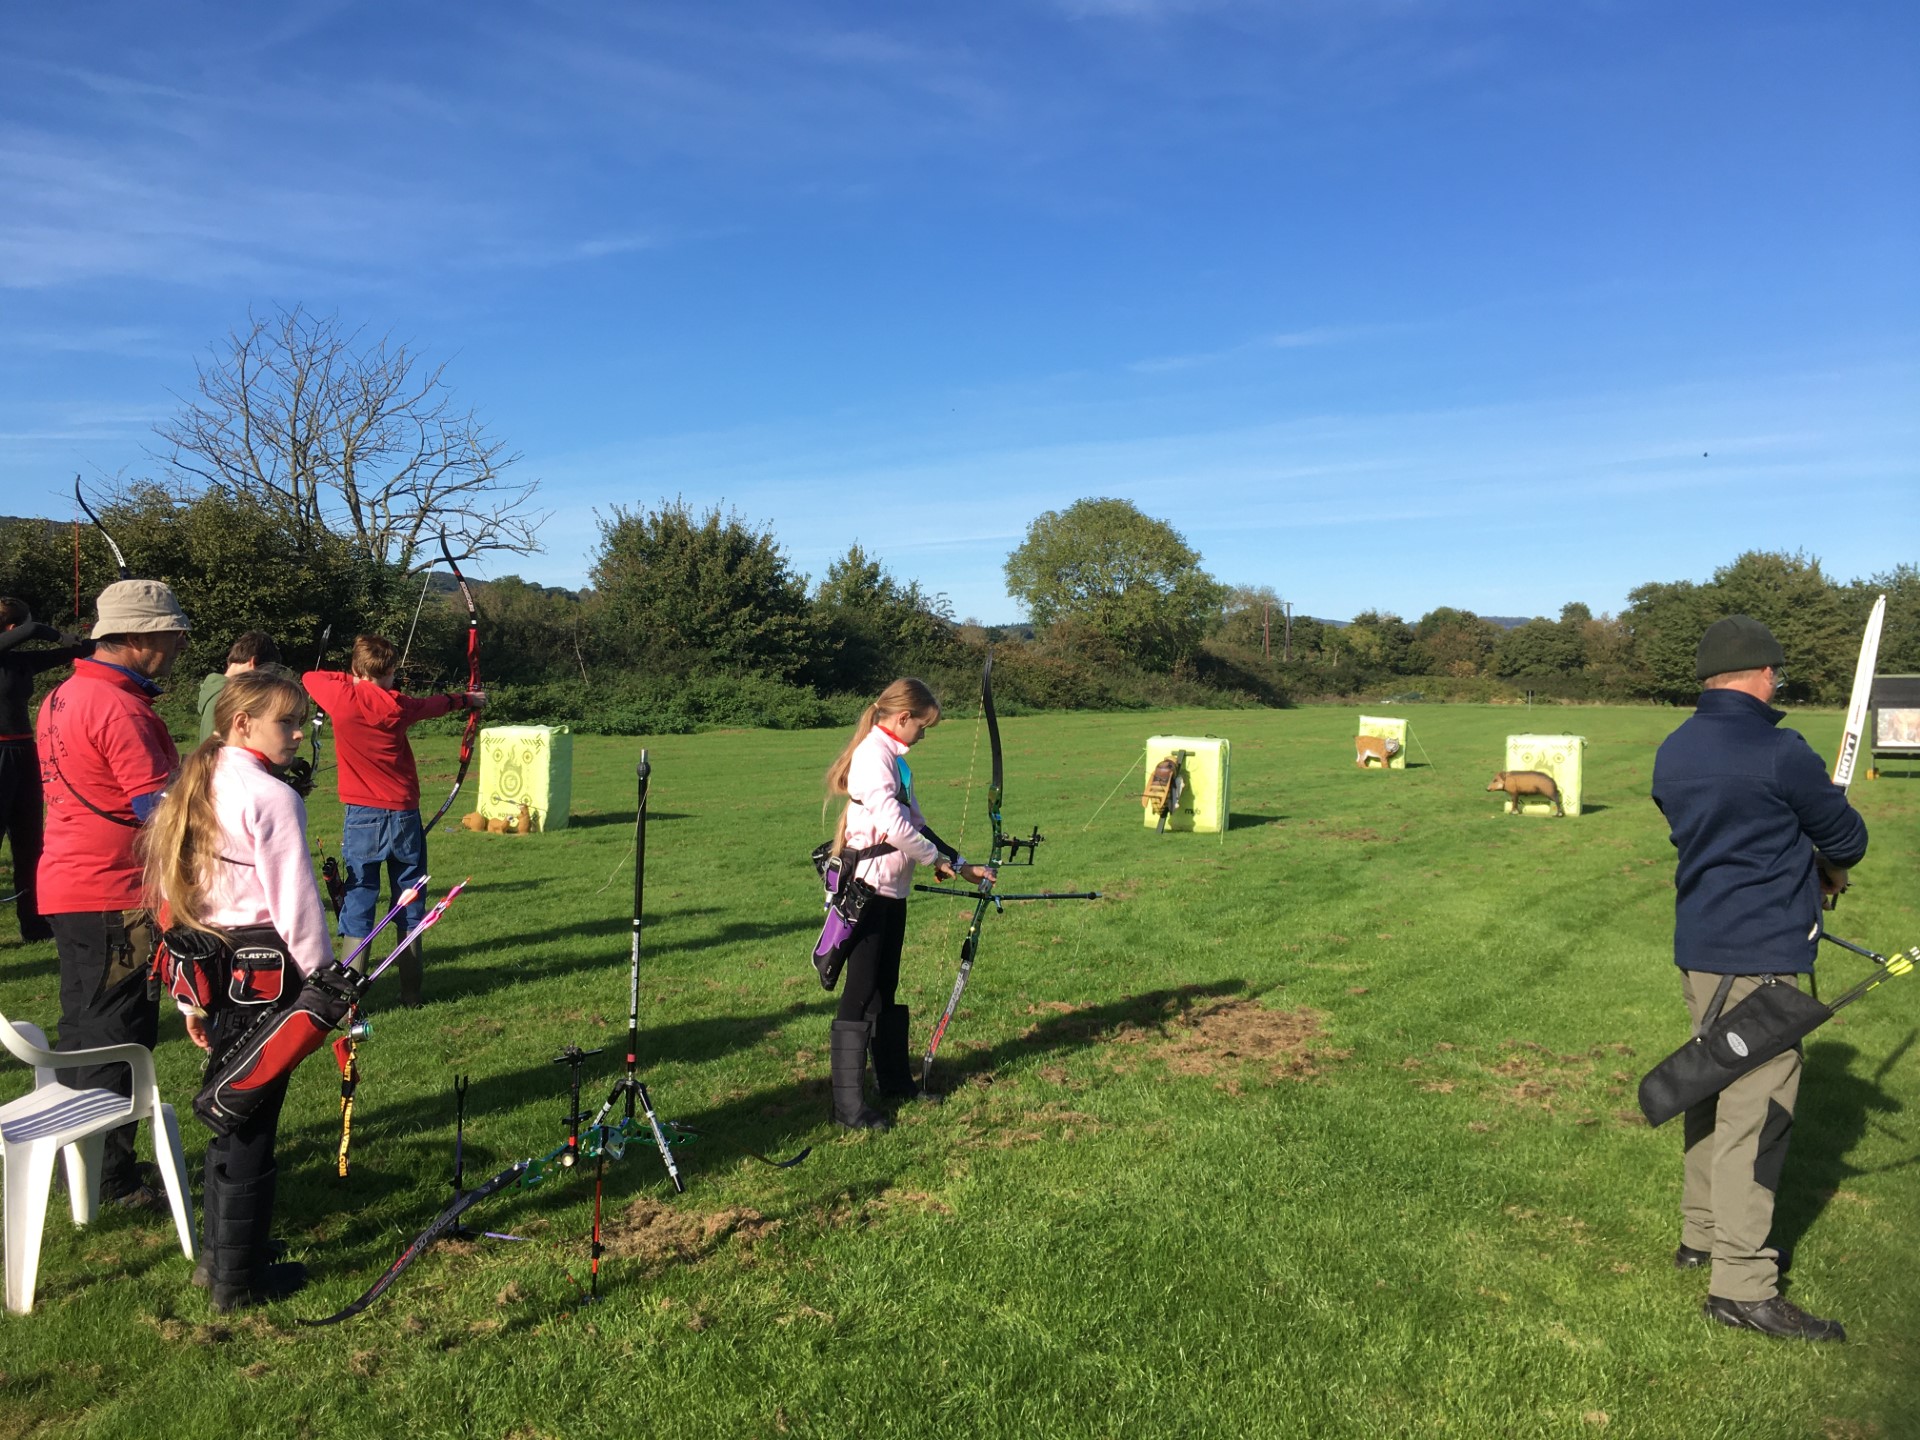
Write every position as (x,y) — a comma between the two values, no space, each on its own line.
(265,876)
(879,785)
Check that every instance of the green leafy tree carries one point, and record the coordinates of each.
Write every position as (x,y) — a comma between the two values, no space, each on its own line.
(875,628)
(688,592)
(1378,640)
(1453,642)
(1254,618)
(233,564)
(1107,567)
(530,634)
(1809,615)
(1539,648)
(1665,620)
(1606,654)
(1900,639)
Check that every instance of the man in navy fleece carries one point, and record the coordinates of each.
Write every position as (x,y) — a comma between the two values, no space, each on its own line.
(1762,832)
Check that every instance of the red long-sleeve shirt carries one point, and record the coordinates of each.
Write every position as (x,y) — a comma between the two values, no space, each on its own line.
(101,747)
(375,762)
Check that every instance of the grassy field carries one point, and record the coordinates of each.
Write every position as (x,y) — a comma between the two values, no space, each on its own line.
(1325,1128)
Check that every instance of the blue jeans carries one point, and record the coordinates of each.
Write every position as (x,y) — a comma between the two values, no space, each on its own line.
(370,838)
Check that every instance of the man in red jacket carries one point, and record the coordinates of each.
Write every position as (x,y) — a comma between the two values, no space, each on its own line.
(380,787)
(105,760)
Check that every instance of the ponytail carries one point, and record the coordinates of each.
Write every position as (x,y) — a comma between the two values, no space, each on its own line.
(181,842)
(908,695)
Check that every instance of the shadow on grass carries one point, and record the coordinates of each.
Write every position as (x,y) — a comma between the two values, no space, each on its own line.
(358,1226)
(1080,1029)
(1830,1120)
(775,1120)
(1242,821)
(465,972)
(30,967)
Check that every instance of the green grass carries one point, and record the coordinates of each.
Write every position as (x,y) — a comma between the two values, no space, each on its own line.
(1438,1215)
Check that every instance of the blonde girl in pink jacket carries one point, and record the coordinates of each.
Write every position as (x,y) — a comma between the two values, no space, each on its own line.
(882,825)
(226,855)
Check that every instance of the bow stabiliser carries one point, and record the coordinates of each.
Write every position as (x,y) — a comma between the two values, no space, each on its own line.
(119,560)
(1006,851)
(473,683)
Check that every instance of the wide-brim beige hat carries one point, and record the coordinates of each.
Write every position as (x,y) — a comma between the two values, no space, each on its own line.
(138,607)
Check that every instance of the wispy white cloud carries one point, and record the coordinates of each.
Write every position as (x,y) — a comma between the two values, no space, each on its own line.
(1282,340)
(1414,495)
(125,342)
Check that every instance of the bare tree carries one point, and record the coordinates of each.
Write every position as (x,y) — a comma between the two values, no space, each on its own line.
(349,437)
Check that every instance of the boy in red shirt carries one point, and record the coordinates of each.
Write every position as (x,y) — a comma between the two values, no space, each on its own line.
(380,787)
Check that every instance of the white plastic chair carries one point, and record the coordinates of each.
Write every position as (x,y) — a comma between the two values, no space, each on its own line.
(54,1119)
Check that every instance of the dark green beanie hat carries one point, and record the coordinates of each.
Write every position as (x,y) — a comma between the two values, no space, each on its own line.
(1738,642)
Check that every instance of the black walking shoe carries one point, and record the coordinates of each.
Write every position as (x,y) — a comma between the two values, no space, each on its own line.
(1777,1317)
(142,1190)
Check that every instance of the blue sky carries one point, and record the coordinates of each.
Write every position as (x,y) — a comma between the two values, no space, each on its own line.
(1381,303)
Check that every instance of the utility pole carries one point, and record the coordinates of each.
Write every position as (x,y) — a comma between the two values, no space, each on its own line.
(1266,629)
(1287,642)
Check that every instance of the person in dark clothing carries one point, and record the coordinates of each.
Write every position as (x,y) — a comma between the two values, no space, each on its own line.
(1761,833)
(21,821)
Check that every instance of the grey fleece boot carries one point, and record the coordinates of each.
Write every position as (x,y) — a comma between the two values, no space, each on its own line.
(850,1108)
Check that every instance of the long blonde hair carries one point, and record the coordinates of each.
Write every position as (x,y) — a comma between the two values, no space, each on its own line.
(914,697)
(182,840)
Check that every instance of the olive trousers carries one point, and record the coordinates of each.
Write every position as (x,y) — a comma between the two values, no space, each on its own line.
(1736,1147)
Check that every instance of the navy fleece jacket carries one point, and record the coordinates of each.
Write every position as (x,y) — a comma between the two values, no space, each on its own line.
(1748,805)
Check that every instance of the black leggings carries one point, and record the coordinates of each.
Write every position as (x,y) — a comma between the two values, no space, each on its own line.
(246,1153)
(873,961)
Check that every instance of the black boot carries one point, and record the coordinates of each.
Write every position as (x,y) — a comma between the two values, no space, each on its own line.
(239,1219)
(850,1108)
(892,1068)
(203,1264)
